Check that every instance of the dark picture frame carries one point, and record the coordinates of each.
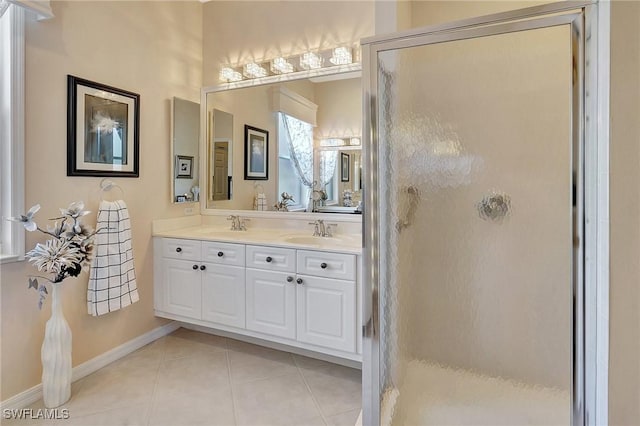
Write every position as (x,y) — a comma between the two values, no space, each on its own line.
(103,130)
(344,167)
(184,167)
(256,153)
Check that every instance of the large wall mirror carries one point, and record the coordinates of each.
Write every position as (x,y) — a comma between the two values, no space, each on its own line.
(299,137)
(185,149)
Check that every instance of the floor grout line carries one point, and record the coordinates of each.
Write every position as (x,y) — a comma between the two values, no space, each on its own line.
(313,397)
(233,398)
(155,388)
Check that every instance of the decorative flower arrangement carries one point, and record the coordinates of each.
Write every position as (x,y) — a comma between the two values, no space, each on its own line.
(283,205)
(66,253)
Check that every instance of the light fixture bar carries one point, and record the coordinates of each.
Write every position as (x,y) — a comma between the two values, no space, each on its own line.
(310,64)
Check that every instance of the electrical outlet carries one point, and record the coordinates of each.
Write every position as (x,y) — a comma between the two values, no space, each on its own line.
(188,211)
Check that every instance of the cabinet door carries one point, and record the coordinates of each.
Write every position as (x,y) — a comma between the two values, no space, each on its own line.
(223,294)
(182,288)
(271,302)
(327,312)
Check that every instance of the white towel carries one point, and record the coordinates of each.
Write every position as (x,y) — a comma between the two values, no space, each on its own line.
(112,279)
(260,202)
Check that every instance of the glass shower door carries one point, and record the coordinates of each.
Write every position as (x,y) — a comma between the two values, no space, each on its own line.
(476,161)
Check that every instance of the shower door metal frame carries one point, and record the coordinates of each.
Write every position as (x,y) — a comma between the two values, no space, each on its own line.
(589,23)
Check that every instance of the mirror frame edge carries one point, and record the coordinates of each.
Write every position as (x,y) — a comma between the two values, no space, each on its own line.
(172,154)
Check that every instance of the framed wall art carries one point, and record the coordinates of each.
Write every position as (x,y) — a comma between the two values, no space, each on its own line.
(344,167)
(256,153)
(102,130)
(184,167)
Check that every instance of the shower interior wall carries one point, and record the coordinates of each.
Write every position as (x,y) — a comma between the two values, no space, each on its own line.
(466,293)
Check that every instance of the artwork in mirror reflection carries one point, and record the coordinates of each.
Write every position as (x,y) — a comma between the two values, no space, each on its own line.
(301,117)
(186,136)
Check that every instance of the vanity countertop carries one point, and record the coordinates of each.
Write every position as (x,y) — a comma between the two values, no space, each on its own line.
(341,243)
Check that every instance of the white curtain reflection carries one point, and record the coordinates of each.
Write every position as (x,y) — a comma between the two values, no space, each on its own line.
(300,138)
(328,161)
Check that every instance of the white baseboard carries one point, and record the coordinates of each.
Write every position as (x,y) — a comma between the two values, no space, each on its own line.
(33,394)
(274,345)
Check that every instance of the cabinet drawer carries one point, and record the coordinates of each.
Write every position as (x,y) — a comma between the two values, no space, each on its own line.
(271,258)
(223,253)
(174,248)
(327,265)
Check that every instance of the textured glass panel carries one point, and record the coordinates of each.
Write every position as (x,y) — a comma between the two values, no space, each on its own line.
(476,183)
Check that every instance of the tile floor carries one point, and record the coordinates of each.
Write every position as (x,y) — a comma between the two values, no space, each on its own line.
(192,378)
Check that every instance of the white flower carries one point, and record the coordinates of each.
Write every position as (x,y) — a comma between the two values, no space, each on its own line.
(102,124)
(27,220)
(75,210)
(55,255)
(57,229)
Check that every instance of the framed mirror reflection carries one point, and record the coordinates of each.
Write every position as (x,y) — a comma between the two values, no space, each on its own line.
(309,123)
(185,151)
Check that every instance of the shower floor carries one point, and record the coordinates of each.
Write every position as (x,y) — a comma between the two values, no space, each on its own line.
(435,395)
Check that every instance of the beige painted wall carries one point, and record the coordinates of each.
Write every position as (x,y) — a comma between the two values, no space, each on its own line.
(624,361)
(339,108)
(151,48)
(237,32)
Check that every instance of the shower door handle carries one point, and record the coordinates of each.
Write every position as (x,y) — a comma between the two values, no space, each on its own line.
(369,329)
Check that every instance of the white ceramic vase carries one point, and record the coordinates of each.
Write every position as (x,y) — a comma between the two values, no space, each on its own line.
(56,355)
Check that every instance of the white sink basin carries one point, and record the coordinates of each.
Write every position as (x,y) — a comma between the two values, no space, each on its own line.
(309,240)
(222,233)
(302,239)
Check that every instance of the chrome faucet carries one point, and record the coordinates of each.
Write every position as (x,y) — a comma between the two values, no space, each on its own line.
(238,223)
(320,229)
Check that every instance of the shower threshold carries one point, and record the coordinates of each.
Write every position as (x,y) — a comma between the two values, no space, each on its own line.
(435,395)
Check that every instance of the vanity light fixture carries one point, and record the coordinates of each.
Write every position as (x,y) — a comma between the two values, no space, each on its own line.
(281,66)
(230,75)
(354,141)
(311,61)
(311,64)
(341,56)
(253,70)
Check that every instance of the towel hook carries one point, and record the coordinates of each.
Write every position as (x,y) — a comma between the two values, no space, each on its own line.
(107,185)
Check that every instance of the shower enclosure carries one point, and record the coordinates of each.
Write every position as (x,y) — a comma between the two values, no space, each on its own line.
(474,222)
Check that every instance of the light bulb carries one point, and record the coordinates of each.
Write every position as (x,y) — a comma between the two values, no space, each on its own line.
(341,56)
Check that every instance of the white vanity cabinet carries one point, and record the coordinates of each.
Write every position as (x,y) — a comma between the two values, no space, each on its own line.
(271,303)
(223,289)
(179,281)
(181,287)
(301,298)
(201,280)
(326,306)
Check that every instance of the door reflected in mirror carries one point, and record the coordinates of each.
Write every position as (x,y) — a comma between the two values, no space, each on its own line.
(186,136)
(220,156)
(297,115)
